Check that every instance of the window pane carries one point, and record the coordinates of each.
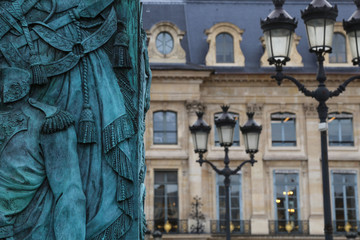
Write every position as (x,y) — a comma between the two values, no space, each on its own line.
(165,128)
(338,54)
(235,195)
(166,199)
(344,186)
(158,121)
(283,130)
(340,129)
(224,48)
(286,201)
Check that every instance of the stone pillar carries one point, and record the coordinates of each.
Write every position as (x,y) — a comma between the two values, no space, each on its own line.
(259,219)
(316,217)
(195,171)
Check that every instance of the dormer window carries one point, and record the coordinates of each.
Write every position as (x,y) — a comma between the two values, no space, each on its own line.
(164,43)
(338,54)
(224,48)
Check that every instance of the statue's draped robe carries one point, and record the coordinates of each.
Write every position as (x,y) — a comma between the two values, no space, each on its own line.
(39,176)
(106,169)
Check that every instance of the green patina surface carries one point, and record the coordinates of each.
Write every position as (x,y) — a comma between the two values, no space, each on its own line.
(80,136)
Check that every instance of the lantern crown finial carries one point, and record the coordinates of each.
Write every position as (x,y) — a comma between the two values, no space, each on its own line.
(225,108)
(357,3)
(278,3)
(250,115)
(200,114)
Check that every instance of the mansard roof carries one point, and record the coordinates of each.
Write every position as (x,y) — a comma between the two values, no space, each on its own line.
(195,16)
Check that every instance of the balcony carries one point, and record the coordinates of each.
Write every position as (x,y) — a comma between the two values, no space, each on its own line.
(284,227)
(342,226)
(236,226)
(171,226)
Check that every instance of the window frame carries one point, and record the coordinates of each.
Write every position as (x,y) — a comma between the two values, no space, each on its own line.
(165,198)
(225,48)
(165,131)
(236,33)
(238,223)
(298,195)
(333,198)
(340,143)
(283,140)
(338,28)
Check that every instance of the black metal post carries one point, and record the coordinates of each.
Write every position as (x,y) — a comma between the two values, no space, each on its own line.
(227,213)
(226,172)
(321,94)
(227,192)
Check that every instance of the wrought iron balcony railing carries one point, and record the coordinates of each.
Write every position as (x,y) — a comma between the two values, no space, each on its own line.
(342,226)
(300,227)
(170,226)
(236,226)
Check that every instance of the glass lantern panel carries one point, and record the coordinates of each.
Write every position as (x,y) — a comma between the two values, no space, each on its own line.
(354,40)
(226,134)
(278,43)
(201,140)
(320,34)
(251,141)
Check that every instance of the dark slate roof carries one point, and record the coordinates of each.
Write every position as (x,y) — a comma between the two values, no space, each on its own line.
(196,16)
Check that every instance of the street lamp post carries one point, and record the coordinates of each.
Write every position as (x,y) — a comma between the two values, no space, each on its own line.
(319,18)
(225,125)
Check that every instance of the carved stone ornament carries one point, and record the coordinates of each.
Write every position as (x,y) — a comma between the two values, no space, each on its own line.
(195,106)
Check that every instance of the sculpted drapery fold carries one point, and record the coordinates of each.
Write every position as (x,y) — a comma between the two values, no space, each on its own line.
(89,58)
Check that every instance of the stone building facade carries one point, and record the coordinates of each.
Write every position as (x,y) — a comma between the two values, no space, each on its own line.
(207,53)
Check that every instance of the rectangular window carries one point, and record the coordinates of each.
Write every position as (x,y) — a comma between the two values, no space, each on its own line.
(283,131)
(236,130)
(166,210)
(345,201)
(287,202)
(165,127)
(235,203)
(340,129)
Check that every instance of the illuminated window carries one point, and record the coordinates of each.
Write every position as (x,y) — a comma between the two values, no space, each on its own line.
(165,127)
(338,54)
(287,202)
(224,48)
(345,201)
(166,210)
(340,129)
(283,131)
(236,130)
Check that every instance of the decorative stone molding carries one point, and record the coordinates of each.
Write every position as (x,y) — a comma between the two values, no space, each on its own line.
(236,33)
(256,108)
(338,28)
(194,106)
(310,110)
(296,59)
(177,54)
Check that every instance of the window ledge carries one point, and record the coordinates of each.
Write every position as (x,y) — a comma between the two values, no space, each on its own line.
(166,155)
(285,157)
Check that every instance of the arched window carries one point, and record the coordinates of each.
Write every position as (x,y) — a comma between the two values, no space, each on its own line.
(283,131)
(224,48)
(165,127)
(338,54)
(164,43)
(236,130)
(341,129)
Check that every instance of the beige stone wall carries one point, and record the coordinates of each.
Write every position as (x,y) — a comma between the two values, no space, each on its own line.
(188,91)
